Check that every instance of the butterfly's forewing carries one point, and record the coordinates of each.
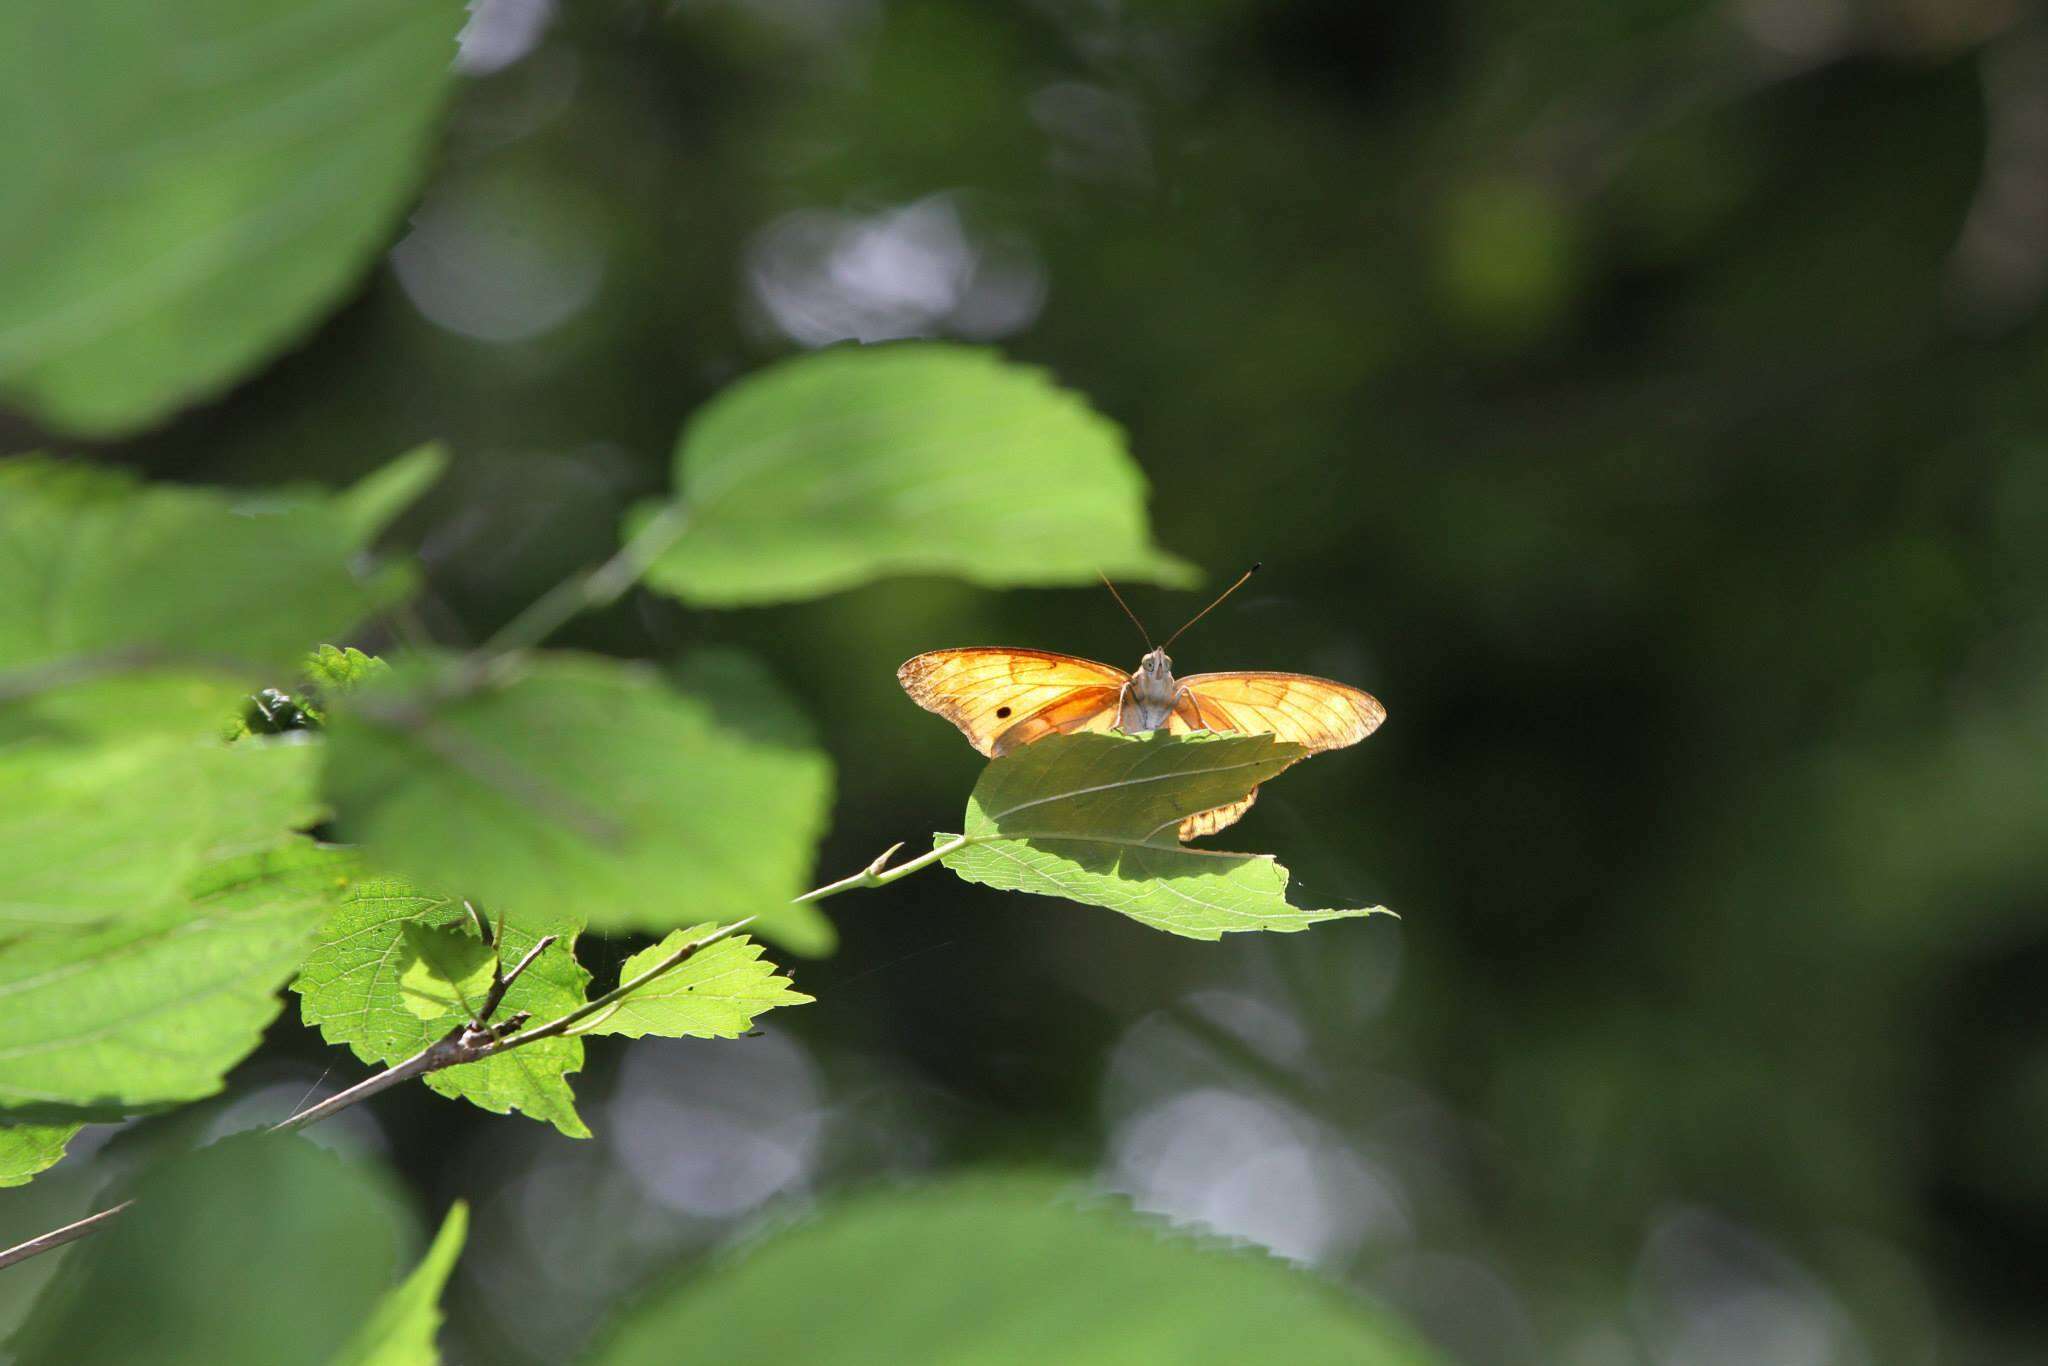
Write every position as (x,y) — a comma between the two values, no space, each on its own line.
(1314,713)
(1001,698)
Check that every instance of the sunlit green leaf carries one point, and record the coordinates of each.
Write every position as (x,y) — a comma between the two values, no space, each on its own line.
(1093,818)
(401,1331)
(98,564)
(336,671)
(715,994)
(261,1248)
(380,497)
(583,791)
(26,1149)
(195,185)
(444,972)
(851,464)
(349,988)
(113,794)
(997,1271)
(154,1010)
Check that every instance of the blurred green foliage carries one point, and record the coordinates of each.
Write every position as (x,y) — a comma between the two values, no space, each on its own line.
(256,1249)
(887,1278)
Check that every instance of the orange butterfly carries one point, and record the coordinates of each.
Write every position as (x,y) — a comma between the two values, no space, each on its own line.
(1002,699)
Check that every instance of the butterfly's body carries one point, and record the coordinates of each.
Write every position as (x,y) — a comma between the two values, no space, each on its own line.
(1147,697)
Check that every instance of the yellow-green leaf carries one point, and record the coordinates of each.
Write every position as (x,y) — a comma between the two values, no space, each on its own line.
(26,1149)
(716,993)
(860,462)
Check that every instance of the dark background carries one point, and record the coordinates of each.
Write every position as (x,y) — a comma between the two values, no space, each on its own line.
(1644,400)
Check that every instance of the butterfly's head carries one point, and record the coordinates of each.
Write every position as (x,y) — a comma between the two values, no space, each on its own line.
(1155,667)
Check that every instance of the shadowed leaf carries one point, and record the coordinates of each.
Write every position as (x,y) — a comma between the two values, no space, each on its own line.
(1093,818)
(444,972)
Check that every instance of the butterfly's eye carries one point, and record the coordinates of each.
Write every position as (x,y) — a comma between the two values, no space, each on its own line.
(1002,712)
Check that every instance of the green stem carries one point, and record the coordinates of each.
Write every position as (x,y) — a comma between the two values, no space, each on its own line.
(878,874)
(593,588)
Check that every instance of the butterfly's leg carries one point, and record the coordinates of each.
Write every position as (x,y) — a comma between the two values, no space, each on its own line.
(1120,693)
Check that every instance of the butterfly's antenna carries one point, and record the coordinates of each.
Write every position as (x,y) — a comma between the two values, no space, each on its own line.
(1214,605)
(1127,609)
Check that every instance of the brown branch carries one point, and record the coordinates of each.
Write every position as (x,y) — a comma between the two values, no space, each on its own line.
(57,1237)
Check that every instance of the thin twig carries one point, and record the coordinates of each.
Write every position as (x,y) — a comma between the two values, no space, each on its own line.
(501,981)
(563,1024)
(599,587)
(443,1052)
(879,874)
(57,1237)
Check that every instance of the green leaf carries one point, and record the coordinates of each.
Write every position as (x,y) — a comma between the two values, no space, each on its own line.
(1093,818)
(581,790)
(714,994)
(380,497)
(338,672)
(118,792)
(848,465)
(1001,1270)
(445,972)
(349,989)
(196,185)
(401,1332)
(261,1248)
(26,1149)
(155,1010)
(100,565)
